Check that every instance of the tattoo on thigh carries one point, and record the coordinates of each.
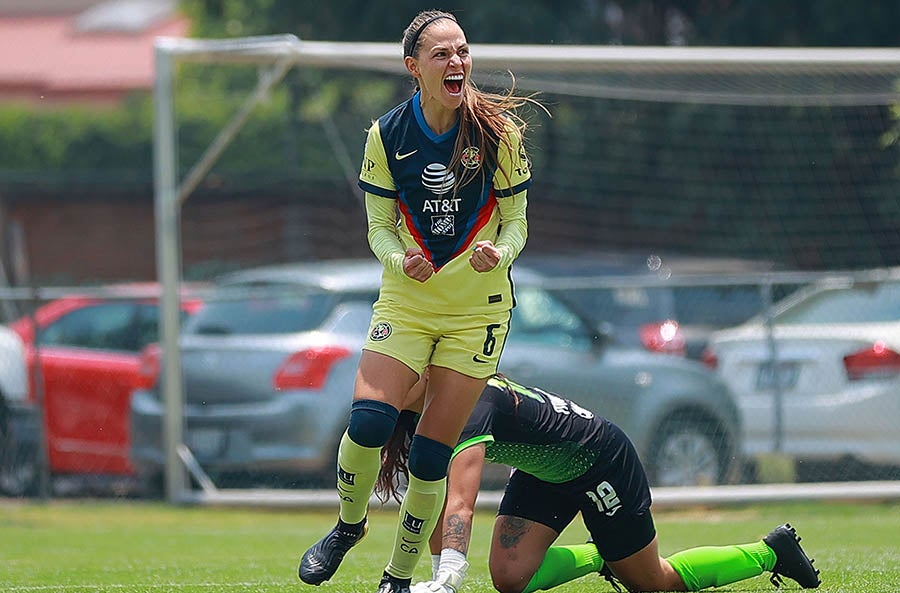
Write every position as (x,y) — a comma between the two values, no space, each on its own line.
(511,531)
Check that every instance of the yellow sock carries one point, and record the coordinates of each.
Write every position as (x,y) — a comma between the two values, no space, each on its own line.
(419,513)
(357,471)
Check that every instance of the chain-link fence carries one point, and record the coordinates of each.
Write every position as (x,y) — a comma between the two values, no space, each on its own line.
(740,378)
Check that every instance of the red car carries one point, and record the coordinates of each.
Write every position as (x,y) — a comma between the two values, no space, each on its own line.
(86,358)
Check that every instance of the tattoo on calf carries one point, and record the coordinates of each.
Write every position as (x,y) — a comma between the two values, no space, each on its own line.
(456,534)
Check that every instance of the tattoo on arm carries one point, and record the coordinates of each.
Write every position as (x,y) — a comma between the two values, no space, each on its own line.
(512,529)
(456,533)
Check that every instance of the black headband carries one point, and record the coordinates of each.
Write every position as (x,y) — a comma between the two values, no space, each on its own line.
(415,38)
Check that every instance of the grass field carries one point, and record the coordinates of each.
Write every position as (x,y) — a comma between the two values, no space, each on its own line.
(123,547)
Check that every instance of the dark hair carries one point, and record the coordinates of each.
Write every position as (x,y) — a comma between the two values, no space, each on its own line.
(485,118)
(394,458)
(395,453)
(414,30)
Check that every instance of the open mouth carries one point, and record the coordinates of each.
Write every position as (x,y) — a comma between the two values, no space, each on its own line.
(454,83)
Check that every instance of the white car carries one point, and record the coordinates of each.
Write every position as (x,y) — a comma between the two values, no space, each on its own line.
(833,360)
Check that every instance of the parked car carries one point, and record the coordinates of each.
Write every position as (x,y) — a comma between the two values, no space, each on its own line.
(834,358)
(269,365)
(82,353)
(629,293)
(19,469)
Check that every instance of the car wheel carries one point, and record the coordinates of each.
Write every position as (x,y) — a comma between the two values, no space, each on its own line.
(150,485)
(326,478)
(19,468)
(688,451)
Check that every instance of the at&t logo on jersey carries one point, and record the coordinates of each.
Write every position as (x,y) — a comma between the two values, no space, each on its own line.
(438,179)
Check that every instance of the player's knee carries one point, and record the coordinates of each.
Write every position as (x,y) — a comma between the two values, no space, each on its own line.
(371,422)
(428,458)
(509,581)
(511,576)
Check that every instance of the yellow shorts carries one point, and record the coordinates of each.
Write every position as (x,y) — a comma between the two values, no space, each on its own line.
(469,344)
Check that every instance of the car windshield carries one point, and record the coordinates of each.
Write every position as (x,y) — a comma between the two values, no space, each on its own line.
(717,305)
(279,313)
(622,306)
(539,317)
(720,305)
(863,303)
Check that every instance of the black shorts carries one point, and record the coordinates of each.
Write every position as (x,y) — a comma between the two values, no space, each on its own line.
(613,497)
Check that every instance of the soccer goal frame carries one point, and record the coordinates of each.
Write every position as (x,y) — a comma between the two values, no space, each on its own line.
(276,55)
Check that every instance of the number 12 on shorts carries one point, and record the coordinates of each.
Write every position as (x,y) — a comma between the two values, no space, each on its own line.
(605,497)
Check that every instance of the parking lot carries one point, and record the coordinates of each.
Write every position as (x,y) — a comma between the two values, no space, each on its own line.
(806,384)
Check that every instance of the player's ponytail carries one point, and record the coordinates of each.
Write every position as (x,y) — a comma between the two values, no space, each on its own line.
(395,456)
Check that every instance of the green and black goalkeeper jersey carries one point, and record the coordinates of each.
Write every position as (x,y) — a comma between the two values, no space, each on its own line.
(543,434)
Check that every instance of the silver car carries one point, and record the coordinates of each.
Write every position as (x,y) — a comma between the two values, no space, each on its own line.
(829,369)
(269,364)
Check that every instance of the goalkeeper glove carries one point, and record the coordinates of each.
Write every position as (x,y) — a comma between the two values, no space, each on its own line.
(448,573)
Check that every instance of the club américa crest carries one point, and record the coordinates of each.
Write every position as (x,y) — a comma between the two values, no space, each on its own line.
(380,331)
(470,157)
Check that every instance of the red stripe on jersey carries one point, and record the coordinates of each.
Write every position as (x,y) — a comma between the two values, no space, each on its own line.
(416,235)
(484,216)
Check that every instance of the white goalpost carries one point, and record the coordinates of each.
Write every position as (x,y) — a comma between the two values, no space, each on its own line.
(695,75)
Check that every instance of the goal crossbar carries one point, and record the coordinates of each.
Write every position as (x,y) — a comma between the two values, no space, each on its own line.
(540,58)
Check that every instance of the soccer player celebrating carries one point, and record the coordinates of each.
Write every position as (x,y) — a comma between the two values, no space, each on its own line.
(568,460)
(451,161)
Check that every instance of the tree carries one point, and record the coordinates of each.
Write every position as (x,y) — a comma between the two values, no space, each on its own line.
(827,23)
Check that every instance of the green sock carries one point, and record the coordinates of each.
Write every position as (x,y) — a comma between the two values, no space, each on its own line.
(419,513)
(715,566)
(357,471)
(561,564)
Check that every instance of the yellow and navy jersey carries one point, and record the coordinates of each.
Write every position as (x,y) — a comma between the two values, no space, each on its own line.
(407,162)
(538,432)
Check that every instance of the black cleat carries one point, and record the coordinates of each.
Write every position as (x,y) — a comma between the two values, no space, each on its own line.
(791,561)
(390,584)
(321,561)
(607,573)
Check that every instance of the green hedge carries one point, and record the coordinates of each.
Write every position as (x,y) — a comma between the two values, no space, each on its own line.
(80,145)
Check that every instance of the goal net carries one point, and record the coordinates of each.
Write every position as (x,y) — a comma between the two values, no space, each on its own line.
(764,168)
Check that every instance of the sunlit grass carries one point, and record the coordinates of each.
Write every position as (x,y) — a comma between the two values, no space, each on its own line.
(127,546)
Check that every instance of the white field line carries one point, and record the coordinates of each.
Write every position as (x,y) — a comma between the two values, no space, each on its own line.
(662,497)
